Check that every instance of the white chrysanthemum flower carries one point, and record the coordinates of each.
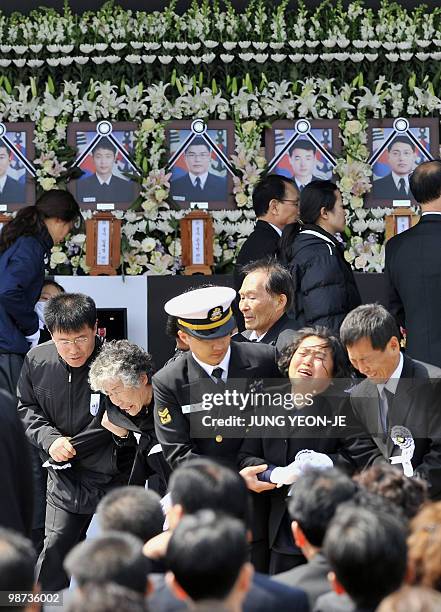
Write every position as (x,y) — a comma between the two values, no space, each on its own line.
(20,49)
(148,59)
(207,58)
(310,57)
(35,63)
(117,46)
(229,45)
(423,43)
(406,57)
(359,44)
(422,57)
(112,59)
(296,44)
(278,57)
(343,42)
(246,57)
(165,59)
(66,48)
(81,60)
(374,44)
(66,61)
(356,57)
(312,44)
(36,48)
(133,59)
(371,57)
(168,45)
(210,44)
(84,48)
(226,58)
(136,45)
(98,59)
(244,44)
(260,46)
(195,59)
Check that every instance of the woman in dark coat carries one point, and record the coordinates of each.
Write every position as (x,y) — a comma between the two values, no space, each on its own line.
(324,284)
(25,242)
(314,362)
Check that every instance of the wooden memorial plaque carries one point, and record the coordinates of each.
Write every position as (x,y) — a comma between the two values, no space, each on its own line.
(400,220)
(197,242)
(103,244)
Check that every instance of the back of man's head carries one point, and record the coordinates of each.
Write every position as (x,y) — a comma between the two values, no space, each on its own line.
(425,182)
(132,510)
(70,312)
(367,552)
(106,598)
(317,495)
(271,187)
(113,557)
(17,562)
(203,484)
(206,553)
(370,321)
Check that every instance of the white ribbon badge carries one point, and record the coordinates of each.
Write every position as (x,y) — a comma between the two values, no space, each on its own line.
(402,438)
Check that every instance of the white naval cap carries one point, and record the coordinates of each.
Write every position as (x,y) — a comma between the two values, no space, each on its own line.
(204,313)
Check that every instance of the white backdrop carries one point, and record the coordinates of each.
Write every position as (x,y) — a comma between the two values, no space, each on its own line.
(114,292)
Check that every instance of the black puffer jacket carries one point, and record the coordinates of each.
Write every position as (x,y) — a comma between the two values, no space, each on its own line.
(55,400)
(324,284)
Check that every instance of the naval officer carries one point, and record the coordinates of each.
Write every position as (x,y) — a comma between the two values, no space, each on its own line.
(205,322)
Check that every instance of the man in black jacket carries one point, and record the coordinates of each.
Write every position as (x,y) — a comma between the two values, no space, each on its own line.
(413,269)
(63,419)
(397,392)
(266,295)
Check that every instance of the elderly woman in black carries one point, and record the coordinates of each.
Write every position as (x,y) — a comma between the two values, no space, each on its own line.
(313,362)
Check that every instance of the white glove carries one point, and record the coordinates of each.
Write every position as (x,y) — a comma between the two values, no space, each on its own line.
(285,475)
(33,339)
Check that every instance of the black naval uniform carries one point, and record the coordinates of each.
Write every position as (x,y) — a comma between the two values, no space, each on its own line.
(172,386)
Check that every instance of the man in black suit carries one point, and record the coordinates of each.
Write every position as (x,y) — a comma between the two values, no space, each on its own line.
(104,186)
(276,203)
(317,496)
(266,295)
(205,322)
(11,191)
(413,269)
(199,184)
(397,391)
(401,157)
(302,157)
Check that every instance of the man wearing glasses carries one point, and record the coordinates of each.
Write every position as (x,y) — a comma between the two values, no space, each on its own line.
(62,418)
(199,184)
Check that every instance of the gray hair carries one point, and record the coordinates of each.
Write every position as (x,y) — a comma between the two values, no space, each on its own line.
(120,360)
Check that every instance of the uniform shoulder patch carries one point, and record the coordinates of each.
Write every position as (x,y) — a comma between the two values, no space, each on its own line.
(164,416)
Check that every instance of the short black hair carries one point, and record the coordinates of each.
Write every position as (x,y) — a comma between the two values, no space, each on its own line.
(304,144)
(317,495)
(371,321)
(134,510)
(206,553)
(203,484)
(315,196)
(279,279)
(171,326)
(425,181)
(104,143)
(341,365)
(113,557)
(70,312)
(197,142)
(270,187)
(403,140)
(17,562)
(368,553)
(106,598)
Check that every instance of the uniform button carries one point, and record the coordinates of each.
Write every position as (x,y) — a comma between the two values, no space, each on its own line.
(219,438)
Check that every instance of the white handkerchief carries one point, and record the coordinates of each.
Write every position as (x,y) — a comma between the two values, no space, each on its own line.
(54,466)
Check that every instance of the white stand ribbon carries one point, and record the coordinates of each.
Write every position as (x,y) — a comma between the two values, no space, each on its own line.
(403,438)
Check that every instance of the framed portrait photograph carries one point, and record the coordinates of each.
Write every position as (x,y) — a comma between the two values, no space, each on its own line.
(199,166)
(302,160)
(105,160)
(396,154)
(17,173)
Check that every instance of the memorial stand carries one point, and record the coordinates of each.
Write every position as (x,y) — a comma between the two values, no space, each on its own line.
(197,242)
(103,244)
(400,220)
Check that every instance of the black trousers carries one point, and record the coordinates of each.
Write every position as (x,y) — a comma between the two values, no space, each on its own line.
(63,530)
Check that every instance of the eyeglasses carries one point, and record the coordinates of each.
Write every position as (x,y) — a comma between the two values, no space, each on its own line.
(197,155)
(293,202)
(81,340)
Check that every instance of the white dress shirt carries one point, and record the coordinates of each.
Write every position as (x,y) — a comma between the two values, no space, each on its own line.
(202,177)
(224,364)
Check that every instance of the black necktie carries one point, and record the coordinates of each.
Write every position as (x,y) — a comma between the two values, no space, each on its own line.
(402,189)
(198,183)
(217,375)
(301,187)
